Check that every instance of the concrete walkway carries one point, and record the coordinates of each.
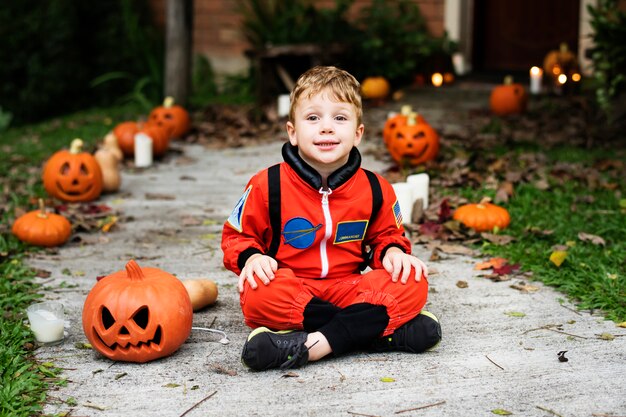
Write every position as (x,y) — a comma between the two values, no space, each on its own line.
(172,215)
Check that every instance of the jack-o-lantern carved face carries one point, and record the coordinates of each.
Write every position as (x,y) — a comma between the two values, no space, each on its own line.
(73,175)
(413,143)
(137,315)
(173,118)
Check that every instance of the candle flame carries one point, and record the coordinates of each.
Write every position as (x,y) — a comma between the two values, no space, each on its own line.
(562,79)
(437,79)
(536,71)
(576,77)
(556,70)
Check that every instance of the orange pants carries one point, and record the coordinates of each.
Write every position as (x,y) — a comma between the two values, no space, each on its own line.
(280,305)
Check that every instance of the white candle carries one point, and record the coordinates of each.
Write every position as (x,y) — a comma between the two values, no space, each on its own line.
(419,188)
(143,150)
(47,321)
(283,105)
(459,63)
(536,75)
(405,198)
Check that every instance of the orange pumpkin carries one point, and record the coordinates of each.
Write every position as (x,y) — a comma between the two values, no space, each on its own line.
(41,228)
(561,61)
(483,216)
(125,135)
(508,98)
(413,143)
(398,120)
(375,88)
(160,136)
(137,315)
(172,117)
(73,175)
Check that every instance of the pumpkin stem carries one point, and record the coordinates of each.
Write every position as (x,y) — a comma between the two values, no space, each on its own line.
(485,200)
(133,271)
(76,146)
(406,110)
(508,80)
(42,209)
(411,119)
(168,102)
(563,47)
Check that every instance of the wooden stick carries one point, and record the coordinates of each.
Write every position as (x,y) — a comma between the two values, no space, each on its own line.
(548,410)
(420,408)
(486,356)
(198,403)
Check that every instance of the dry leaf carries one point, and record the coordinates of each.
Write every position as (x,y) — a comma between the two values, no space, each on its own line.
(558,257)
(159,196)
(497,239)
(596,240)
(462,284)
(491,263)
(525,287)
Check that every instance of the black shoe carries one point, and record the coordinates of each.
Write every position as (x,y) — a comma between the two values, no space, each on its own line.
(266,349)
(418,335)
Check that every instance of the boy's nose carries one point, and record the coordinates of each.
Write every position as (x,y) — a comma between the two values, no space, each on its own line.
(326,127)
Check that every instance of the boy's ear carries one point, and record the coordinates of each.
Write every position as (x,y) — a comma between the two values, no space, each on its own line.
(359,134)
(291,131)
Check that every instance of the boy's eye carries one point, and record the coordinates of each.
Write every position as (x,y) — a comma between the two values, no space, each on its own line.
(341,118)
(312,117)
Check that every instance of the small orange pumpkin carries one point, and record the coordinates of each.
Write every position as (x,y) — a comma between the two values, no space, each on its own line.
(160,136)
(172,117)
(483,216)
(508,98)
(73,175)
(40,228)
(375,88)
(125,135)
(137,315)
(413,143)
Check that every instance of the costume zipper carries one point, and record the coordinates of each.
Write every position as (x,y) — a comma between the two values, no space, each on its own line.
(329,231)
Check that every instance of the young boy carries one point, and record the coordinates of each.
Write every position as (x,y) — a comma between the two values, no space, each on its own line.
(300,234)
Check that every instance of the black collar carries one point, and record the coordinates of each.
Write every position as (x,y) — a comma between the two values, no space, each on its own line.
(312,177)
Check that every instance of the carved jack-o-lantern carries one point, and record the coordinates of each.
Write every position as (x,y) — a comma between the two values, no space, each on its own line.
(73,175)
(413,143)
(172,117)
(398,120)
(137,315)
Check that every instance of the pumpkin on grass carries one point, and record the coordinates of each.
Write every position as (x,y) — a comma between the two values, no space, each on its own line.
(414,142)
(73,175)
(40,228)
(137,315)
(508,98)
(376,88)
(482,217)
(172,117)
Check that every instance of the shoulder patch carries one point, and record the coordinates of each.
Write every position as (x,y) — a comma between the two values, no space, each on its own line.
(350,231)
(235,217)
(397,213)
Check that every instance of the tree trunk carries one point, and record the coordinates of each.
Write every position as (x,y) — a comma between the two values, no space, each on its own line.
(179,24)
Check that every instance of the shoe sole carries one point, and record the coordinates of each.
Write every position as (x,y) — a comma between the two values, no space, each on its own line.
(260,330)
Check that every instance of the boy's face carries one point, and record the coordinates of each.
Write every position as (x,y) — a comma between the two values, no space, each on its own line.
(325,131)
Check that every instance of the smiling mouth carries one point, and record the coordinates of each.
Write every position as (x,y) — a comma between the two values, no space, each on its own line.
(74,193)
(326,144)
(153,344)
(416,154)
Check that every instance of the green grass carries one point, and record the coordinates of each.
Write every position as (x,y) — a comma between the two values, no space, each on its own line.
(593,275)
(23,381)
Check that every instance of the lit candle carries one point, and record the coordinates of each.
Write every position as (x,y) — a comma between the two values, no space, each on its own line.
(419,188)
(437,79)
(143,150)
(536,76)
(47,321)
(576,77)
(404,194)
(562,79)
(459,63)
(283,105)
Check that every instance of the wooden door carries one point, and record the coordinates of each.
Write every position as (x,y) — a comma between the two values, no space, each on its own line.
(514,35)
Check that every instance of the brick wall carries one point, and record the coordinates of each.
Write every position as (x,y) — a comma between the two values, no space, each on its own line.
(216,33)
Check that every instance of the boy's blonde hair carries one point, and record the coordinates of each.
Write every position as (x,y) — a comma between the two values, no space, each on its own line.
(341,85)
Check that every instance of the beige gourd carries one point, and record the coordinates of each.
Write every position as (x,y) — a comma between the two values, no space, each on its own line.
(110,143)
(109,165)
(202,292)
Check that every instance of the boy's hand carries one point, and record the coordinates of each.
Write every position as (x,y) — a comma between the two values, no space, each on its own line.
(397,262)
(261,266)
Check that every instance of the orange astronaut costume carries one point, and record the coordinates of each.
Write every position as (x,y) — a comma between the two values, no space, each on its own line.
(321,245)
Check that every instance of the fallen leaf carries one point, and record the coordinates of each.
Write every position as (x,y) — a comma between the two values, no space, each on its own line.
(290,375)
(558,257)
(506,269)
(497,238)
(525,287)
(490,263)
(562,357)
(622,324)
(83,345)
(171,385)
(159,196)
(120,376)
(596,240)
(515,314)
(501,412)
(455,249)
(462,284)
(606,336)
(387,379)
